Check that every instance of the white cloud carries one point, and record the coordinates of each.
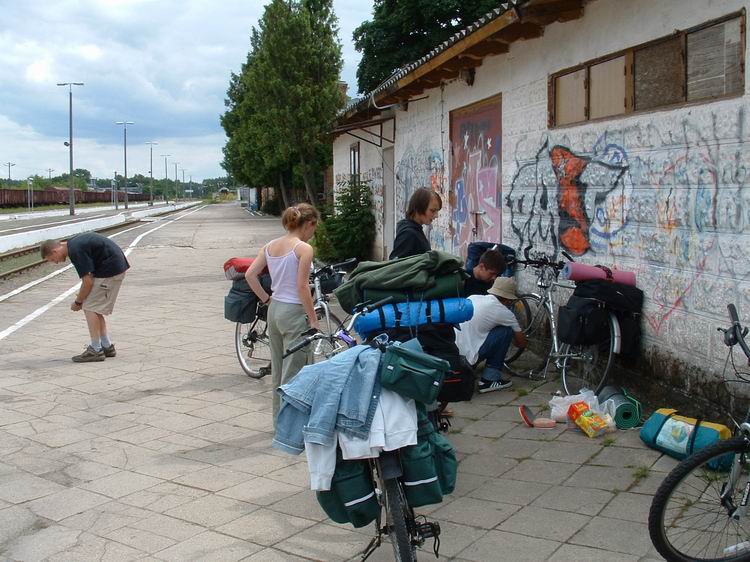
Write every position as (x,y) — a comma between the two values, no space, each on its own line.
(164,65)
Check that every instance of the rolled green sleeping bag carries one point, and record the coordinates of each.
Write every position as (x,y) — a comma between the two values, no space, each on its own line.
(627,409)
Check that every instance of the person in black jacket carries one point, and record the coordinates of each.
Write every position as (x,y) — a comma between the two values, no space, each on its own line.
(424,205)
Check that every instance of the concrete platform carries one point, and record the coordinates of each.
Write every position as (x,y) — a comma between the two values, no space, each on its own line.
(163,453)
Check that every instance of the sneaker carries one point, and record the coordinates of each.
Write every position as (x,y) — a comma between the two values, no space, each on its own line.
(110,351)
(89,355)
(489,386)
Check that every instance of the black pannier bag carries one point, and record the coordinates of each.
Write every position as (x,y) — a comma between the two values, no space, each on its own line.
(583,321)
(241,304)
(626,302)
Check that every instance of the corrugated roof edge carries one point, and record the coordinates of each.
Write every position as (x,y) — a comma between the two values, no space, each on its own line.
(406,69)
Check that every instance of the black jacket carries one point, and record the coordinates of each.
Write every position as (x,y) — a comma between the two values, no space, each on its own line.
(410,240)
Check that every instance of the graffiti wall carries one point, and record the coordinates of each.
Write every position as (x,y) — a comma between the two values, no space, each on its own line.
(665,195)
(476,173)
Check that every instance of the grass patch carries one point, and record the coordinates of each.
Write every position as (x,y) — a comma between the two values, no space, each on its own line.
(543,407)
(640,473)
(608,442)
(521,392)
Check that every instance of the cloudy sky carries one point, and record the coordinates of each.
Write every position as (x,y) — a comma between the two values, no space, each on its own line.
(164,64)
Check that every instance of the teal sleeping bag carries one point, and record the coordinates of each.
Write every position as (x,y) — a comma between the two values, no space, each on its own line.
(413,314)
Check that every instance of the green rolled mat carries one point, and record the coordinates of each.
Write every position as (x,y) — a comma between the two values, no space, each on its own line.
(627,408)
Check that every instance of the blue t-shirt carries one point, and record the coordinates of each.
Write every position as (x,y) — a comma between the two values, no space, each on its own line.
(96,254)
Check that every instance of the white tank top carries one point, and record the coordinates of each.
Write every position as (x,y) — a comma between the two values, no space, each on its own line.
(283,270)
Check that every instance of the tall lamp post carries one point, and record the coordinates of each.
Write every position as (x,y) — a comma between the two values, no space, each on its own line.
(71,194)
(176,189)
(125,152)
(151,172)
(166,178)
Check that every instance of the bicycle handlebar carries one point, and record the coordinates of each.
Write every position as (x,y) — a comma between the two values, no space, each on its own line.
(738,333)
(332,267)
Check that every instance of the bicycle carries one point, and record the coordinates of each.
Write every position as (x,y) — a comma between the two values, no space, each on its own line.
(581,366)
(251,341)
(401,524)
(699,512)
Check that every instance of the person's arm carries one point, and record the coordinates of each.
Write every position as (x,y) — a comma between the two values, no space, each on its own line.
(503,316)
(252,273)
(305,254)
(87,283)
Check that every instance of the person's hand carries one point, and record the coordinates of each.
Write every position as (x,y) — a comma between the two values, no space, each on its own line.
(315,325)
(75,307)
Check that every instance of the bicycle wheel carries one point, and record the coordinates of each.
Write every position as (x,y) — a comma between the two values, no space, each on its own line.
(252,347)
(587,366)
(690,521)
(325,348)
(397,511)
(533,318)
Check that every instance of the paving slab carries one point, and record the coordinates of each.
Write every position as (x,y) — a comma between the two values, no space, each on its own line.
(163,453)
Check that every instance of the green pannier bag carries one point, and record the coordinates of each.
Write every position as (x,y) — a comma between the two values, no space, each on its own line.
(420,478)
(351,498)
(443,453)
(406,369)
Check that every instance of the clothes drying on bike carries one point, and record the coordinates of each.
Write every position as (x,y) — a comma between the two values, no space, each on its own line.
(290,311)
(410,240)
(488,335)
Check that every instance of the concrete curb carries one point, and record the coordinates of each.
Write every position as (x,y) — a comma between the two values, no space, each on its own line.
(24,239)
(64,212)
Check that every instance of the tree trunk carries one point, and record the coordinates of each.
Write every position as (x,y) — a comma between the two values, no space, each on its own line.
(282,191)
(308,179)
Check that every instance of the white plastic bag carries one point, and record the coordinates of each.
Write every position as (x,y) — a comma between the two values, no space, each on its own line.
(559,404)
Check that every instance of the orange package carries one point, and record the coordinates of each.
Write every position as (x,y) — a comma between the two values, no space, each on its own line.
(590,423)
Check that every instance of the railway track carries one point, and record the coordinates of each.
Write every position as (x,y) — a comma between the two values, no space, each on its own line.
(20,261)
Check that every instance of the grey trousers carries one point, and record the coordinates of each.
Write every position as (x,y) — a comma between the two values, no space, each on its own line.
(285,324)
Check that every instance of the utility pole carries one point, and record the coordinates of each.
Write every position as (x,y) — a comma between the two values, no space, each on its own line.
(71,193)
(115,194)
(125,152)
(10,165)
(166,179)
(49,171)
(151,172)
(176,188)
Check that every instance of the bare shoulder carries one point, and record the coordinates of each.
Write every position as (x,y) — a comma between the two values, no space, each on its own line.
(303,249)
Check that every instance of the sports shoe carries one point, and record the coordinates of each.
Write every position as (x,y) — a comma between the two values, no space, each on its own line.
(489,386)
(110,351)
(89,355)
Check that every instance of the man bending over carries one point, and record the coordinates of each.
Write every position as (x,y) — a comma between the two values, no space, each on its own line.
(487,336)
(101,265)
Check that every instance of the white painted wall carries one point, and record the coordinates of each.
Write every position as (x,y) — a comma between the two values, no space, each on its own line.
(680,217)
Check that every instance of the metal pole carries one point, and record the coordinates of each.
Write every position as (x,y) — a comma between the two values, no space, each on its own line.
(9,164)
(50,170)
(176,184)
(166,179)
(125,153)
(151,175)
(71,193)
(29,183)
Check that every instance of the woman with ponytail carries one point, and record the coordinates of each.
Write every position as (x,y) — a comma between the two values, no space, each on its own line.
(290,309)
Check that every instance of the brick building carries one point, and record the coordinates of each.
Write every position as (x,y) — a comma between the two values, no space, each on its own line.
(614,130)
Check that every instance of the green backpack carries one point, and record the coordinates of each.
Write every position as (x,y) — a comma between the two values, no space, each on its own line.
(351,498)
(412,373)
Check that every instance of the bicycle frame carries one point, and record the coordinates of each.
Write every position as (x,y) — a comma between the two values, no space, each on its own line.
(737,512)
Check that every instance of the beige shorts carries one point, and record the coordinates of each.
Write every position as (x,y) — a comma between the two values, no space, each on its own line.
(103,295)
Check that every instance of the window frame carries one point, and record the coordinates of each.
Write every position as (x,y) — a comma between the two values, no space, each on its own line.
(629,54)
(354,156)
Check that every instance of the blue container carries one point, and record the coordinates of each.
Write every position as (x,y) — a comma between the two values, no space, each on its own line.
(413,314)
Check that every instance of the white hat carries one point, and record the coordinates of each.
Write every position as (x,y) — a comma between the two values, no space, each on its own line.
(504,287)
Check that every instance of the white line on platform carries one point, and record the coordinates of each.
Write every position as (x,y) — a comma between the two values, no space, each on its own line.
(77,219)
(42,309)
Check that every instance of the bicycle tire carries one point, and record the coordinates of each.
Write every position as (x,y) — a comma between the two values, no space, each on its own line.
(252,347)
(588,366)
(522,312)
(398,532)
(664,534)
(539,338)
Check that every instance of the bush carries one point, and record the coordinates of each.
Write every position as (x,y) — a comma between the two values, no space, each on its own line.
(348,231)
(272,206)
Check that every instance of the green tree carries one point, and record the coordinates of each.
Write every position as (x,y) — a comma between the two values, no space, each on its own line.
(402,31)
(281,105)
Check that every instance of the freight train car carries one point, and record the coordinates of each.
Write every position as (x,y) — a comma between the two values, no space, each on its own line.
(53,196)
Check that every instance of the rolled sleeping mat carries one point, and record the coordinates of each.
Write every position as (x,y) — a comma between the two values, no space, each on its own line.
(574,271)
(627,410)
(413,314)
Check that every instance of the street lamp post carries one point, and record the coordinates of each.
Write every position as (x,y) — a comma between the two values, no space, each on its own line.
(71,194)
(176,189)
(10,165)
(30,192)
(151,172)
(166,179)
(49,171)
(114,190)
(125,152)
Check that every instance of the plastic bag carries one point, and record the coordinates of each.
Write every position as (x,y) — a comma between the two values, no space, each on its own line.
(559,405)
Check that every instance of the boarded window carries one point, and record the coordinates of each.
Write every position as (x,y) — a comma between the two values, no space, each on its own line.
(354,162)
(714,59)
(659,74)
(607,95)
(570,97)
